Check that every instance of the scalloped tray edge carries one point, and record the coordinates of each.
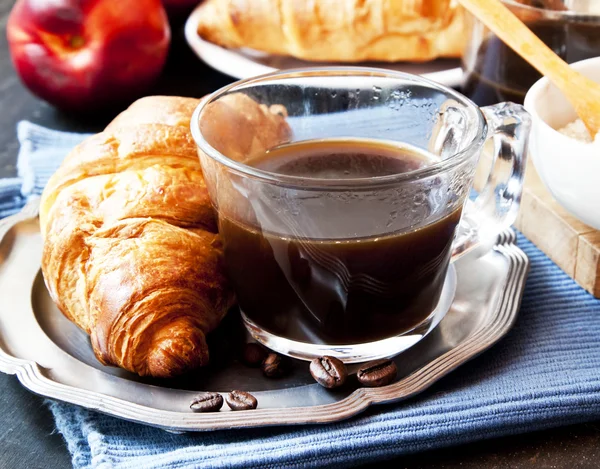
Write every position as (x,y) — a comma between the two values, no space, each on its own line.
(34,378)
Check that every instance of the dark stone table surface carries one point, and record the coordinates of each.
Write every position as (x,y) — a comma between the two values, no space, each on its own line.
(28,438)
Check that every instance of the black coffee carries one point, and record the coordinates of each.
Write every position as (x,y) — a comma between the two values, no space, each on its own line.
(349,288)
(499,74)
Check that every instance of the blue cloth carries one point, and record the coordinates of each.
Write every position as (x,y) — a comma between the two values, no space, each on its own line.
(40,153)
(544,373)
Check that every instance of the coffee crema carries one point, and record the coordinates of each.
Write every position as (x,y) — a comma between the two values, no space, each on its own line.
(342,289)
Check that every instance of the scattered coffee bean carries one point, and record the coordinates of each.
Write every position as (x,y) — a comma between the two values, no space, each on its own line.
(274,366)
(241,400)
(207,402)
(328,371)
(253,355)
(377,373)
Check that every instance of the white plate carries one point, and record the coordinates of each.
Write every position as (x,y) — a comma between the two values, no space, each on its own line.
(246,63)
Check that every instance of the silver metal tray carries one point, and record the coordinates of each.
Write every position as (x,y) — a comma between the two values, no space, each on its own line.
(53,358)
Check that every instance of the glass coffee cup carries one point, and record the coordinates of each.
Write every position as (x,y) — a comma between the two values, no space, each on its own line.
(343,196)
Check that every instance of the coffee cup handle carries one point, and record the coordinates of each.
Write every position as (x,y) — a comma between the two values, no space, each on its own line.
(496,206)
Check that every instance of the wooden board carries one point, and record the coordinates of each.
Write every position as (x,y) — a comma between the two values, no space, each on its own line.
(572,245)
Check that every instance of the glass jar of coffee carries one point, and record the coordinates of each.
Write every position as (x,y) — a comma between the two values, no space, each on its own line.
(494,73)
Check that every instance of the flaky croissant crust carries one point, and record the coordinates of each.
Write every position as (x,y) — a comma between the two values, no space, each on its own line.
(131,250)
(338,30)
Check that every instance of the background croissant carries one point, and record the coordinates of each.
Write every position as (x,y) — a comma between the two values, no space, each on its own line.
(338,30)
(131,250)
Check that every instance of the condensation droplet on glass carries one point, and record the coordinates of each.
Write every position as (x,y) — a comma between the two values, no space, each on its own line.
(392,217)
(419,199)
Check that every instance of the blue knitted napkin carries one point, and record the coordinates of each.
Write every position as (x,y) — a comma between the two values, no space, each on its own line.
(544,373)
(40,153)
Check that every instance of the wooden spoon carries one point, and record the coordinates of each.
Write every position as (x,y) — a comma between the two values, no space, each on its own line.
(583,93)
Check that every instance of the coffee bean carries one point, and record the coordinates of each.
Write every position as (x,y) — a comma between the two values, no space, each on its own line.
(207,402)
(377,373)
(241,400)
(274,366)
(253,355)
(329,372)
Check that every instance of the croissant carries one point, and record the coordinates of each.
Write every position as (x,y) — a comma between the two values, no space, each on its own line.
(338,30)
(131,250)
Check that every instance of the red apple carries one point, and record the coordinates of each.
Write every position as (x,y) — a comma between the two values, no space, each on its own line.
(88,54)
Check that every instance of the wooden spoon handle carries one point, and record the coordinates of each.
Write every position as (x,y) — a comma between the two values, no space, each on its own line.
(519,37)
(524,42)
